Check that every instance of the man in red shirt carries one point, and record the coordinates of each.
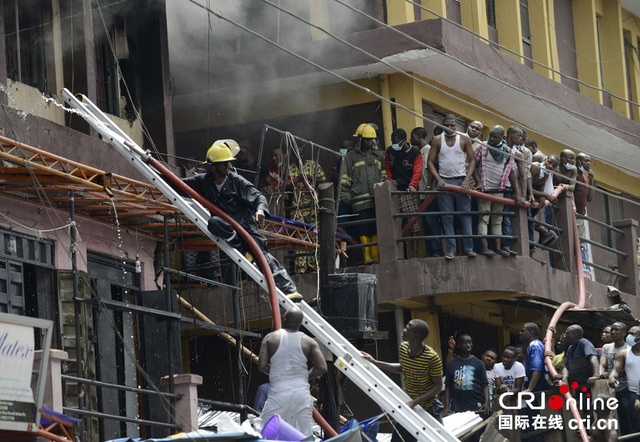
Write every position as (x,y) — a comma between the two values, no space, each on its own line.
(404,168)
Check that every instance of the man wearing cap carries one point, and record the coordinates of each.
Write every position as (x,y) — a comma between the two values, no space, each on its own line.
(236,196)
(363,167)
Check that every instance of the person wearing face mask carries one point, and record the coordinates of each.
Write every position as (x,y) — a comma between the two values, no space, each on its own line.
(542,187)
(404,168)
(432,224)
(493,170)
(628,362)
(582,193)
(567,172)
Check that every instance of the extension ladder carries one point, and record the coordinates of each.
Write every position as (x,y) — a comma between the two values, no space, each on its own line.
(369,378)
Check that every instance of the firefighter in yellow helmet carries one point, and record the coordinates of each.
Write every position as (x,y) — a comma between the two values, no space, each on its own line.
(235,195)
(363,168)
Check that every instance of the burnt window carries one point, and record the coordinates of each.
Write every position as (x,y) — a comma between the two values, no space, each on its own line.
(27,23)
(116,79)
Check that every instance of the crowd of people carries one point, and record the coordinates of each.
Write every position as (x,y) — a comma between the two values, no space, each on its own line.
(464,382)
(507,164)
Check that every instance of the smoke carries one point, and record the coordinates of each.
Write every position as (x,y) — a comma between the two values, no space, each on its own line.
(208,54)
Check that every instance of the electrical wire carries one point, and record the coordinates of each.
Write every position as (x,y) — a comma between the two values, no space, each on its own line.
(408,75)
(484,73)
(511,51)
(380,97)
(124,81)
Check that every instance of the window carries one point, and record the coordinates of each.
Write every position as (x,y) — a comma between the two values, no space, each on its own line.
(25,23)
(524,21)
(609,210)
(629,50)
(491,13)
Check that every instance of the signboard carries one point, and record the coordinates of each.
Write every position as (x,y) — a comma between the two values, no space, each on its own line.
(17,407)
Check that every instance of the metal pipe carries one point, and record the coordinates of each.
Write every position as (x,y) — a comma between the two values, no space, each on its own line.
(236,322)
(548,226)
(119,418)
(119,387)
(76,302)
(602,246)
(601,223)
(167,288)
(415,238)
(605,269)
(463,213)
(199,278)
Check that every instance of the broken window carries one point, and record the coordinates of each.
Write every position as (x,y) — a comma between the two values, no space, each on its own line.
(27,24)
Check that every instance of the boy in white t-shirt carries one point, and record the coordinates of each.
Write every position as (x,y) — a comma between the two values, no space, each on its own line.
(509,374)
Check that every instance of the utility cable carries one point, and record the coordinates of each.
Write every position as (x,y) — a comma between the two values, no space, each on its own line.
(410,76)
(380,97)
(511,51)
(480,71)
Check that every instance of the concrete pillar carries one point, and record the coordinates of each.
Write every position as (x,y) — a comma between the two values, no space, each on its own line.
(509,26)
(437,6)
(564,220)
(399,12)
(53,385)
(387,119)
(543,38)
(389,229)
(187,407)
(586,36)
(433,340)
(474,17)
(614,68)
(406,91)
(628,265)
(520,227)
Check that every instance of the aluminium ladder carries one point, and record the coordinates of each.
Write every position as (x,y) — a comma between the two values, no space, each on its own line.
(369,378)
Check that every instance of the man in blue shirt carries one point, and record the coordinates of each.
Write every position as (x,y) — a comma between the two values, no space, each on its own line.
(534,367)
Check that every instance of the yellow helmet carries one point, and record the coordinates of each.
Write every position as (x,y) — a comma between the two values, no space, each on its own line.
(359,130)
(233,146)
(368,131)
(219,152)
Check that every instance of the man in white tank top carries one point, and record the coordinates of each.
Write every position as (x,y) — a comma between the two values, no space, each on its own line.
(284,356)
(451,152)
(628,362)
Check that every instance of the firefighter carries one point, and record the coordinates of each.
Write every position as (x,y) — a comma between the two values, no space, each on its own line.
(363,168)
(239,198)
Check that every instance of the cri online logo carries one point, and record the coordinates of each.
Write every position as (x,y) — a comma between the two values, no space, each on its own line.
(556,401)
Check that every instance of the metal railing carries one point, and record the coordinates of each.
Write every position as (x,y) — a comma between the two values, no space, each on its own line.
(100,415)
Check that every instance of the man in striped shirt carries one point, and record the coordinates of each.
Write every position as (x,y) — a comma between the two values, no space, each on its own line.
(494,169)
(422,370)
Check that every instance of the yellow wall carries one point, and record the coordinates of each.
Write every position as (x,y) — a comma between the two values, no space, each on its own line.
(474,17)
(631,26)
(437,6)
(509,26)
(613,61)
(544,47)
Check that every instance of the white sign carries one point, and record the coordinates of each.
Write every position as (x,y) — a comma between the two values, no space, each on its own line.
(16,366)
